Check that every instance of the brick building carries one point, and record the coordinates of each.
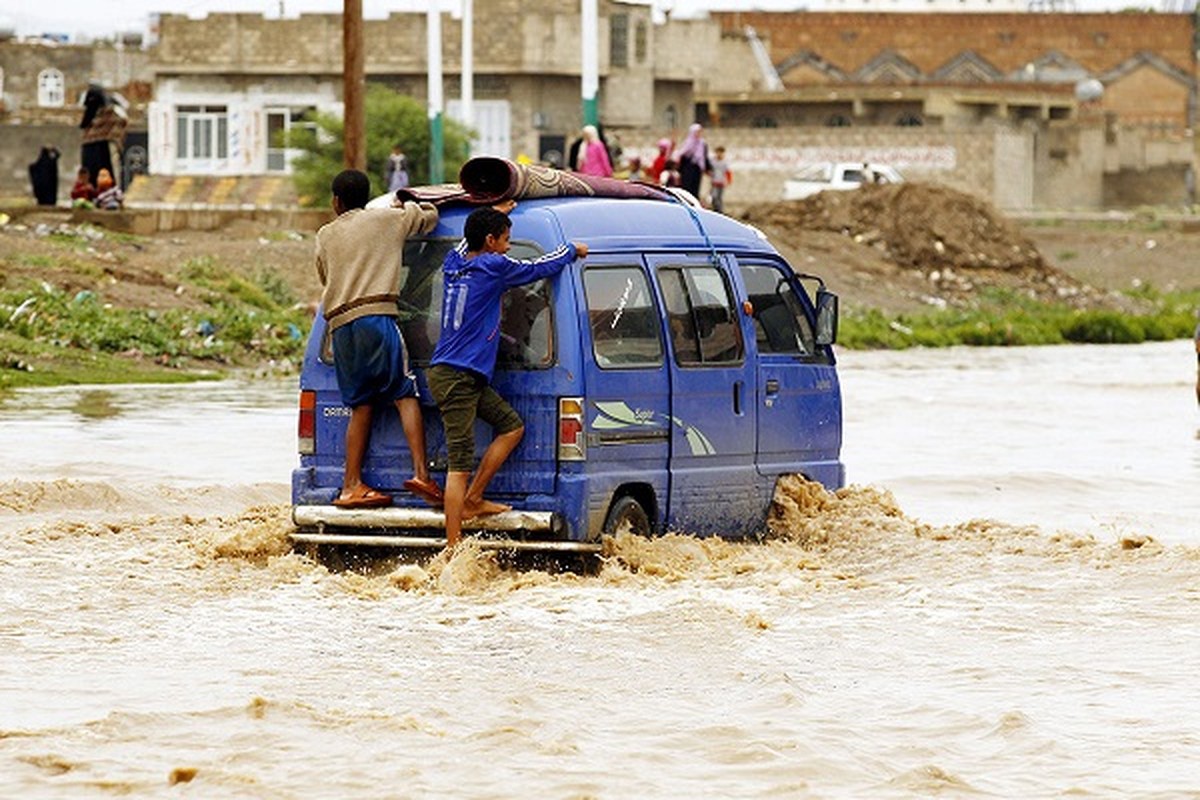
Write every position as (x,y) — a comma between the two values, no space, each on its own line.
(1026,81)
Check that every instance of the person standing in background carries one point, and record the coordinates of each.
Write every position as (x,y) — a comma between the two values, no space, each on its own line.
(721,176)
(43,176)
(692,160)
(659,165)
(593,155)
(395,175)
(103,127)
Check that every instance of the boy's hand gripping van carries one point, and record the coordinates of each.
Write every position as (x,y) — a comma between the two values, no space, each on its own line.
(666,382)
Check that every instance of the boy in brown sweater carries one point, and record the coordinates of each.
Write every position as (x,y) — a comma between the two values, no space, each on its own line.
(360,267)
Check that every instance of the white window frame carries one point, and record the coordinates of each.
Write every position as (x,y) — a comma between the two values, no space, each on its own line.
(51,88)
(279,159)
(201,137)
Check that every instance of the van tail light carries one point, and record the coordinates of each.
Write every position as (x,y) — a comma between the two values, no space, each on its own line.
(306,432)
(571,440)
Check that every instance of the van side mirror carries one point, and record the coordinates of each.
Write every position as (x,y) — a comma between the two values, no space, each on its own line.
(827,317)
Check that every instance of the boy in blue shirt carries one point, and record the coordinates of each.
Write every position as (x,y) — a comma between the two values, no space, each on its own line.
(475,276)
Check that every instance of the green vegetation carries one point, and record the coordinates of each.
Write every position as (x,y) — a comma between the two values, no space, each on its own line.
(49,336)
(1003,318)
(391,118)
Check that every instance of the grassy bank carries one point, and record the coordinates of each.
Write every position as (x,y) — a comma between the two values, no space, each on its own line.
(51,335)
(1000,318)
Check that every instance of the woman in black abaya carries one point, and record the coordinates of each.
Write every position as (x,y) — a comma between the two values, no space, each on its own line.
(43,175)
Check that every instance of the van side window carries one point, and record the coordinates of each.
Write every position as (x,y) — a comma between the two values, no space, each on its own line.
(623,318)
(704,326)
(780,324)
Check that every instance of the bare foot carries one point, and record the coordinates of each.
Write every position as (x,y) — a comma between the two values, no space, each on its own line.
(483,508)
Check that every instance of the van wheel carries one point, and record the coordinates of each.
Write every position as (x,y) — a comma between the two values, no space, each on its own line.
(627,516)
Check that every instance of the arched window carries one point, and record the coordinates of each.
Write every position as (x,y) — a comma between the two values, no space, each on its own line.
(671,118)
(50,88)
(910,119)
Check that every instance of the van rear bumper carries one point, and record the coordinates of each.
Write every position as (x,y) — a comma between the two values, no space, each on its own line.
(402,528)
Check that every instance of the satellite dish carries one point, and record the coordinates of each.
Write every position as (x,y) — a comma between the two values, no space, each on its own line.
(1088,90)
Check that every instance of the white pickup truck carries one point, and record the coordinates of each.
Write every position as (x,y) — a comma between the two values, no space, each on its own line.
(836,176)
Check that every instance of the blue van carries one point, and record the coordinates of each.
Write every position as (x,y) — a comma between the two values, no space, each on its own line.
(666,382)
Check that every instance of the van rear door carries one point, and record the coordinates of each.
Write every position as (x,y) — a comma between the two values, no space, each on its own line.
(714,486)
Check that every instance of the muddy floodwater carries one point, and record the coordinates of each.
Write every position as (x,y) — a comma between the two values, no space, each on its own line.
(1005,602)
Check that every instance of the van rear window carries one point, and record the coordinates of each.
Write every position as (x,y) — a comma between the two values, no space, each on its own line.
(526,333)
(525,319)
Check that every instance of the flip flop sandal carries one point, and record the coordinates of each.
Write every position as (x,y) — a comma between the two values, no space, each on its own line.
(426,490)
(368,499)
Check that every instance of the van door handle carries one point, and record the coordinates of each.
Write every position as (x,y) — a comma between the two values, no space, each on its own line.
(773,386)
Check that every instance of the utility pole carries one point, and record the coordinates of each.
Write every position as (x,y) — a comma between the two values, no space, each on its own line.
(433,32)
(589,30)
(354,133)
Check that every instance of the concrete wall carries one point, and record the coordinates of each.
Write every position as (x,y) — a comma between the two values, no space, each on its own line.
(1011,156)
(763,158)
(1068,166)
(22,143)
(1016,169)
(1165,185)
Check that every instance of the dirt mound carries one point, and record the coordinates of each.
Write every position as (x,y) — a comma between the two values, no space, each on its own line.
(949,240)
(919,225)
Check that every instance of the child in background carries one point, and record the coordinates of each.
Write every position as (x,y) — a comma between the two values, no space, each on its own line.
(108,195)
(83,191)
(721,177)
(475,277)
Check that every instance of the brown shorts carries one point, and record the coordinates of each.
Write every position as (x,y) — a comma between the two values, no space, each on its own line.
(462,397)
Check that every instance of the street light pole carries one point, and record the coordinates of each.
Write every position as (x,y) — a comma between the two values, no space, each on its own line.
(433,31)
(468,63)
(590,69)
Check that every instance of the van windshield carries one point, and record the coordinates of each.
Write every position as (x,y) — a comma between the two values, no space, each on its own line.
(526,333)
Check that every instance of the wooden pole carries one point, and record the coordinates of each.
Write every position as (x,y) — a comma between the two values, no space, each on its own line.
(354,134)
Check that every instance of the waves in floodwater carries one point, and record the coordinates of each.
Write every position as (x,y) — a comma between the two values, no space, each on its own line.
(176,638)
